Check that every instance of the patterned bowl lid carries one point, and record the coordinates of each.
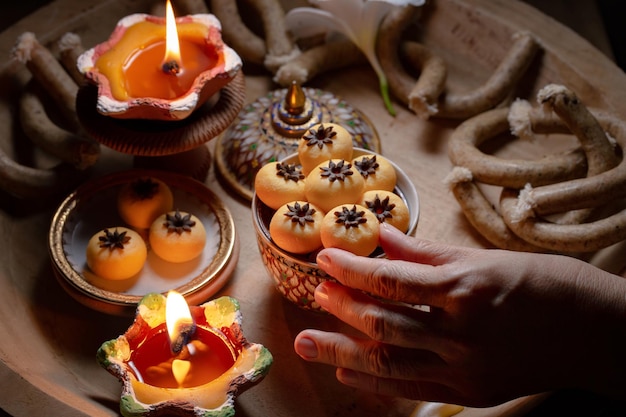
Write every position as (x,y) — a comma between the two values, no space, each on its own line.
(269,129)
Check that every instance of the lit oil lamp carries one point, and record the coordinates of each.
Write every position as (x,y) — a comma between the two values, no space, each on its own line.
(183,360)
(269,130)
(156,68)
(161,88)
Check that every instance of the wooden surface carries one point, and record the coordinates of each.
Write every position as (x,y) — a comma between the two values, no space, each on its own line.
(49,341)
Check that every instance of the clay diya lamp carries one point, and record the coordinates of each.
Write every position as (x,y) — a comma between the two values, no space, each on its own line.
(159,68)
(181,360)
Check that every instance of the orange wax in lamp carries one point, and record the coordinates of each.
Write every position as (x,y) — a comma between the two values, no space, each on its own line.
(182,352)
(158,60)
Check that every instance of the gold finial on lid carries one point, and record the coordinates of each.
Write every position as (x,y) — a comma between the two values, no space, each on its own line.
(295,99)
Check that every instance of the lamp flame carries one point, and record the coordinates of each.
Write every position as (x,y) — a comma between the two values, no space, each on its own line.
(172,60)
(179,322)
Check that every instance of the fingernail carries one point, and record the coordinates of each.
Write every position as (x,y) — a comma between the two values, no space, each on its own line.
(347,376)
(321,294)
(323,260)
(306,348)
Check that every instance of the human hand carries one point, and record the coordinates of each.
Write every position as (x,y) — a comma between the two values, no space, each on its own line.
(501,324)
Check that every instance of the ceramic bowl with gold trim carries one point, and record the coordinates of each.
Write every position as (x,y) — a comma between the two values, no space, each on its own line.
(296,276)
(92,207)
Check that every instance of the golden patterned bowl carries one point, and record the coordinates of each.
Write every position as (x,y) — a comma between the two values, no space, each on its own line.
(297,276)
(92,207)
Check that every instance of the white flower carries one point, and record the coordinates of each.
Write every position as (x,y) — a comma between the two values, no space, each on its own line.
(358,20)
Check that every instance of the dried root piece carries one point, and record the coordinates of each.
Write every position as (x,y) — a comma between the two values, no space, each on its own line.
(462,106)
(498,86)
(26,182)
(280,47)
(463,150)
(388,40)
(481,213)
(248,45)
(424,95)
(70,48)
(585,237)
(598,149)
(68,147)
(419,95)
(319,59)
(49,73)
(525,120)
(588,192)
(522,207)
(191,7)
(275,50)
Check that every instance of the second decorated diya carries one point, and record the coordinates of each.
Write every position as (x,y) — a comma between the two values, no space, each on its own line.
(269,129)
(179,360)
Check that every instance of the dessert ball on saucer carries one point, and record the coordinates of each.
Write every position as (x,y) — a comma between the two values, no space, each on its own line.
(323,142)
(377,172)
(116,253)
(351,227)
(332,183)
(141,201)
(278,183)
(295,227)
(388,207)
(177,236)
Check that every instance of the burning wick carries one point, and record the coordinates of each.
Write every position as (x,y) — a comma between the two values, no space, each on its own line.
(182,339)
(180,325)
(171,61)
(170,67)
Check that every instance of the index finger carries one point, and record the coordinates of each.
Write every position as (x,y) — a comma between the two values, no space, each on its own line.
(396,280)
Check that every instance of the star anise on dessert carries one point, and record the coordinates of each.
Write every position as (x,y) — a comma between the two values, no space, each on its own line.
(381,209)
(367,165)
(178,222)
(289,171)
(145,188)
(337,171)
(350,217)
(300,214)
(320,137)
(113,240)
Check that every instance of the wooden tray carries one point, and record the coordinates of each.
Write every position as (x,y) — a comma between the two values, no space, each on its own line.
(49,340)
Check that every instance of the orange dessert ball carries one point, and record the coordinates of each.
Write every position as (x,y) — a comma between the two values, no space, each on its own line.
(116,254)
(177,236)
(377,171)
(141,201)
(323,142)
(387,207)
(351,227)
(278,183)
(295,227)
(333,183)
